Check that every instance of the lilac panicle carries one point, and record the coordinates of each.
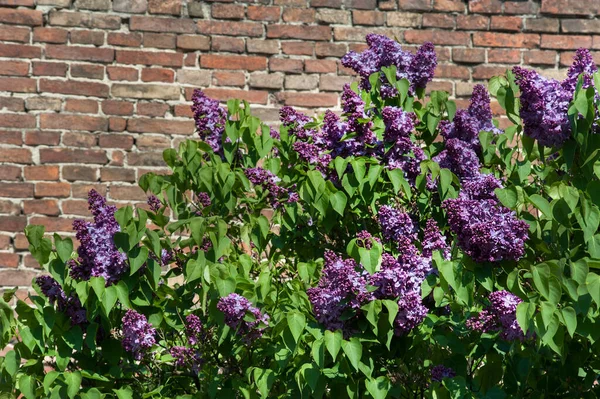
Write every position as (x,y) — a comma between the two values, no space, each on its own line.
(98,255)
(295,121)
(210,119)
(186,357)
(138,334)
(395,224)
(69,305)
(154,203)
(203,199)
(193,329)
(51,289)
(268,181)
(439,372)
(398,123)
(500,315)
(480,109)
(422,67)
(433,240)
(460,158)
(354,108)
(481,186)
(235,307)
(583,63)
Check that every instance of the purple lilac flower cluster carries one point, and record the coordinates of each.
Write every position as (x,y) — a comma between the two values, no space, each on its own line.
(98,255)
(433,240)
(395,224)
(70,305)
(417,68)
(154,203)
(500,315)
(138,334)
(235,307)
(190,356)
(210,119)
(462,135)
(487,231)
(193,329)
(268,181)
(203,199)
(439,372)
(545,102)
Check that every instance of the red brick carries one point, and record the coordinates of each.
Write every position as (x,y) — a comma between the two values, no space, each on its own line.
(79,173)
(15,68)
(157,24)
(89,71)
(566,42)
(158,75)
(503,23)
(81,106)
(227,11)
(233,62)
(580,26)
(571,7)
(8,260)
(21,17)
(262,13)
(193,42)
(9,207)
(91,89)
(227,44)
(487,71)
(437,37)
(468,55)
(438,21)
(172,7)
(15,278)
(69,155)
(517,40)
(539,57)
(124,39)
(180,111)
(8,172)
(252,96)
(100,21)
(127,193)
(75,208)
(148,141)
(115,107)
(520,7)
(330,49)
(117,124)
(13,137)
(160,40)
(20,51)
(43,207)
(122,141)
(122,73)
(15,155)
(320,66)
(326,3)
(49,68)
(486,6)
(17,121)
(152,109)
(12,104)
(149,58)
(224,78)
(370,4)
(82,190)
(79,53)
(117,174)
(87,37)
(449,5)
(41,137)
(18,85)
(472,22)
(285,65)
(299,32)
(5,243)
(145,159)
(166,126)
(452,71)
(50,35)
(16,190)
(73,122)
(41,172)
(298,48)
(304,15)
(251,29)
(504,56)
(53,224)
(14,34)
(308,99)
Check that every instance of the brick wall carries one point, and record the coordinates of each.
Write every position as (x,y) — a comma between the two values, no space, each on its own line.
(91,91)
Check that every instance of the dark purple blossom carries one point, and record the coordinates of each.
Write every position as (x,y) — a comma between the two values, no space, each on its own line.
(500,315)
(358,121)
(406,155)
(51,289)
(411,312)
(235,308)
(268,181)
(186,357)
(364,239)
(295,121)
(433,240)
(193,329)
(210,119)
(398,123)
(583,63)
(395,224)
(98,255)
(138,334)
(439,372)
(481,186)
(203,199)
(154,203)
(480,109)
(460,158)
(486,230)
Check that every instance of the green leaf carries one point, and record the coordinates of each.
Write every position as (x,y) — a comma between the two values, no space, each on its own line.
(338,202)
(507,196)
(525,312)
(399,182)
(12,362)
(64,247)
(138,261)
(264,381)
(353,351)
(333,342)
(318,352)
(98,284)
(225,286)
(296,322)
(379,387)
(570,317)
(27,386)
(73,381)
(109,299)
(592,283)
(124,393)
(541,203)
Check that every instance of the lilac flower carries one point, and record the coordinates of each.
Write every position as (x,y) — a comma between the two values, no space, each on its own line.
(268,181)
(383,52)
(295,121)
(465,128)
(364,239)
(544,105)
(138,334)
(210,119)
(439,372)
(486,230)
(166,257)
(274,133)
(583,63)
(235,307)
(203,199)
(398,123)
(154,203)
(460,158)
(407,156)
(51,289)
(186,357)
(74,310)
(481,186)
(433,240)
(500,315)
(411,312)
(193,329)
(98,255)
(331,134)
(480,109)
(395,224)
(358,120)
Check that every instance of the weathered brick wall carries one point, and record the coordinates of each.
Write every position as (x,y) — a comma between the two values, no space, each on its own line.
(93,90)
